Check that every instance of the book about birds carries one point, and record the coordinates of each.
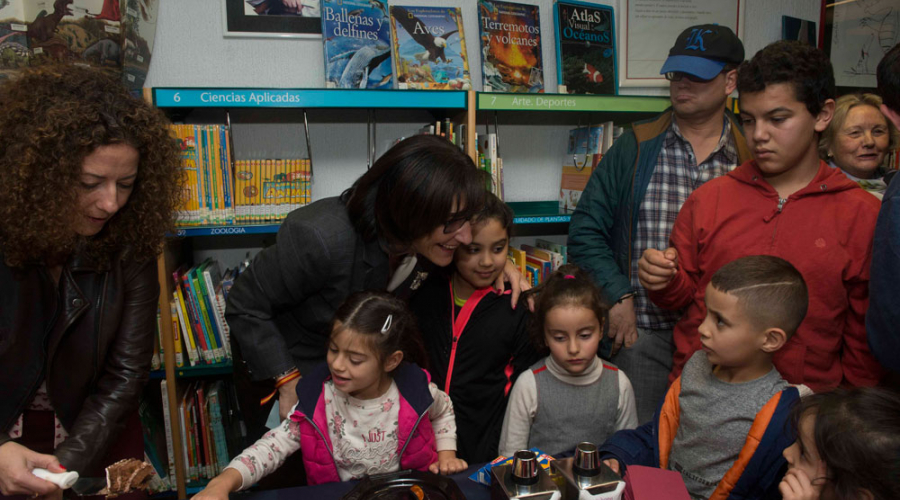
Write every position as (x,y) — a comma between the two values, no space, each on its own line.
(511,59)
(585,48)
(356,38)
(429,47)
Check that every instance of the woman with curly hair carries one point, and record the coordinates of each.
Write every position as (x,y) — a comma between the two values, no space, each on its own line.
(89,178)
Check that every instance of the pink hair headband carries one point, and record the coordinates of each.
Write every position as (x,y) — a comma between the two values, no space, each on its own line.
(569,277)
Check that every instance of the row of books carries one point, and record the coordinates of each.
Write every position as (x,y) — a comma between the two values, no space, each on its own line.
(201,335)
(538,261)
(267,190)
(207,186)
(584,150)
(220,191)
(370,45)
(455,133)
(212,430)
(490,161)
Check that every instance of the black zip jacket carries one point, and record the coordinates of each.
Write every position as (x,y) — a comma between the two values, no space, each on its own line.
(491,351)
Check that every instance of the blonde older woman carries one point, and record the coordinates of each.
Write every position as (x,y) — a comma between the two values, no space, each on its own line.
(857,140)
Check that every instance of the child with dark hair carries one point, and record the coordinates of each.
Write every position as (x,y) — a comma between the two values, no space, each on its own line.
(366,410)
(785,202)
(847,448)
(477,345)
(570,396)
(724,422)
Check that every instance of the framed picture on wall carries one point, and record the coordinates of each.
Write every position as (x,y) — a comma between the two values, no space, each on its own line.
(857,35)
(650,27)
(272,18)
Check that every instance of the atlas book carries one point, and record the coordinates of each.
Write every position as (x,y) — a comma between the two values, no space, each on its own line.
(356,36)
(510,35)
(429,48)
(585,48)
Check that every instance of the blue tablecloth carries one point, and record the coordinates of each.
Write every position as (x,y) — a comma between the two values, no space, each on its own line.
(471,489)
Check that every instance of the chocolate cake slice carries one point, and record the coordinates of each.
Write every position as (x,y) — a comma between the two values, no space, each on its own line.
(127,475)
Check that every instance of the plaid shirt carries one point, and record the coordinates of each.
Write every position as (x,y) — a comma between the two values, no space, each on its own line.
(676,176)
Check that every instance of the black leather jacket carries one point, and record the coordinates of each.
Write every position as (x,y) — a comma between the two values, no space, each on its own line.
(91,339)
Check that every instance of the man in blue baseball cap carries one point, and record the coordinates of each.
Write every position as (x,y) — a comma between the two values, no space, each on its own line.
(703,52)
(634,195)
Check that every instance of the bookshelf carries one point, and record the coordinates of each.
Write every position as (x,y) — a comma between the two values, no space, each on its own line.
(532,218)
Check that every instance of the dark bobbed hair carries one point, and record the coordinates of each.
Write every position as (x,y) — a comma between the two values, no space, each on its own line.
(806,68)
(365,313)
(770,289)
(888,76)
(857,435)
(410,190)
(55,116)
(495,209)
(567,286)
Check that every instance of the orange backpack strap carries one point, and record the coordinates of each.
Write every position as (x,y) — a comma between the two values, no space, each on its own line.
(669,416)
(760,424)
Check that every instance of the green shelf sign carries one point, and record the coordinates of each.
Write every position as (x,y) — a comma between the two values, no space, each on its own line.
(569,102)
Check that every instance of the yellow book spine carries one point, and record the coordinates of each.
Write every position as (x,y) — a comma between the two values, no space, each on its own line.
(238,191)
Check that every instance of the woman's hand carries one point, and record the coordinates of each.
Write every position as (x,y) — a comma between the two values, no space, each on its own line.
(448,463)
(228,481)
(16,463)
(287,398)
(796,485)
(517,282)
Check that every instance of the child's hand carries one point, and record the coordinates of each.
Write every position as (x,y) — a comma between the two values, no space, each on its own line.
(613,464)
(218,489)
(656,269)
(796,486)
(448,463)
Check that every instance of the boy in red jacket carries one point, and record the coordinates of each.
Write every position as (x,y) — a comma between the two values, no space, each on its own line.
(788,203)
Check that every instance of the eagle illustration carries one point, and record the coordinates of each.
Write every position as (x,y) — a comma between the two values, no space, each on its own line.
(434,45)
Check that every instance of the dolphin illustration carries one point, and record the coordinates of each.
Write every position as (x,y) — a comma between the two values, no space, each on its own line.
(362,62)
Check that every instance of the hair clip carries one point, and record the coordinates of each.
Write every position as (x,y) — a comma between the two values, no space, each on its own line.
(387,323)
(569,277)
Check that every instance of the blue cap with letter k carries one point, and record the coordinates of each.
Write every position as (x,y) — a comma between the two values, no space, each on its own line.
(703,51)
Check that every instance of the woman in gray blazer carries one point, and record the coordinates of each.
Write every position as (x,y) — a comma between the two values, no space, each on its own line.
(402,218)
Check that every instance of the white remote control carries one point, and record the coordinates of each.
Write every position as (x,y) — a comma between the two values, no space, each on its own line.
(64,480)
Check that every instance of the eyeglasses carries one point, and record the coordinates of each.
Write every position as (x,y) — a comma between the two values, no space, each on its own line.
(676,76)
(455,224)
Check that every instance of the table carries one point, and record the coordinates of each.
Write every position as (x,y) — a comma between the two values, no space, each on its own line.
(471,489)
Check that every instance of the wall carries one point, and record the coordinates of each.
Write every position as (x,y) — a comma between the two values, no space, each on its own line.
(190,51)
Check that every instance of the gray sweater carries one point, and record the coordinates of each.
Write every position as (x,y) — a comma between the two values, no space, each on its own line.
(716,417)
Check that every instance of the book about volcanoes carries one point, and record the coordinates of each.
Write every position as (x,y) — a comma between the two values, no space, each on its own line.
(356,36)
(429,48)
(511,59)
(585,48)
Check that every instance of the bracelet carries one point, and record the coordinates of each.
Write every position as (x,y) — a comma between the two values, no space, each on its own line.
(285,374)
(625,297)
(288,376)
